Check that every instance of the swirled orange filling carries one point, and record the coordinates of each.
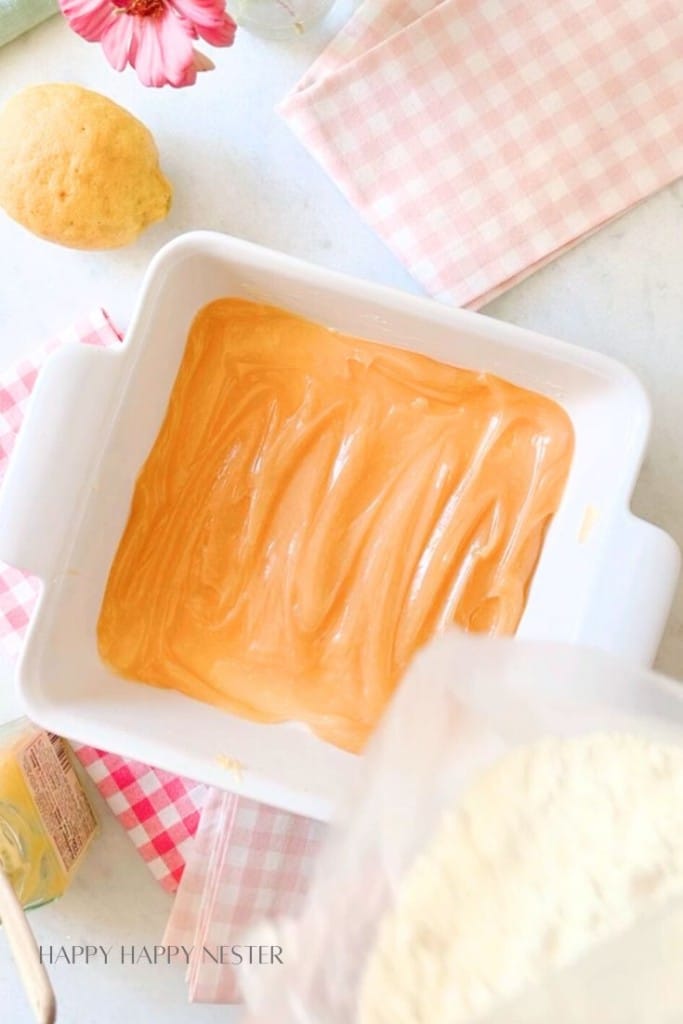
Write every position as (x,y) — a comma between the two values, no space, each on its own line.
(316,507)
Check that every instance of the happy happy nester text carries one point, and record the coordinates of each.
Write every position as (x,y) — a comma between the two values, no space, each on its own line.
(228,955)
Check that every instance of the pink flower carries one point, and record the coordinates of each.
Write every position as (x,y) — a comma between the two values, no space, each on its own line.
(153,36)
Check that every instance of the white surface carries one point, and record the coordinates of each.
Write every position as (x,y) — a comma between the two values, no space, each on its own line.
(105,408)
(237,169)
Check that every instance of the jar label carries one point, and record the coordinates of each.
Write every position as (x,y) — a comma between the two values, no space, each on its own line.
(58,795)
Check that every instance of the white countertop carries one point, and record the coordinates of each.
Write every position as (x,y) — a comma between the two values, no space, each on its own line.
(237,169)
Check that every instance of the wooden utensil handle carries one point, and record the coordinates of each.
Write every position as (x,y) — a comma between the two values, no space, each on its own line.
(24,949)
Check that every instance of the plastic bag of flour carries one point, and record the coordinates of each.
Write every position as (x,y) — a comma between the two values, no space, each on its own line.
(466,704)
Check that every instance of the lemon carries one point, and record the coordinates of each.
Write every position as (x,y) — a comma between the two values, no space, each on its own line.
(78,169)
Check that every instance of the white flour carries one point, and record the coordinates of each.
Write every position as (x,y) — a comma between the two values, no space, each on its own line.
(557,846)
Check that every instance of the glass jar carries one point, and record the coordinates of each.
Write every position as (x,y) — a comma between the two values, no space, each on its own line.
(278,19)
(46,821)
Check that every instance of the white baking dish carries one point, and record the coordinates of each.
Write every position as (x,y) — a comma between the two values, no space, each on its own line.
(605,578)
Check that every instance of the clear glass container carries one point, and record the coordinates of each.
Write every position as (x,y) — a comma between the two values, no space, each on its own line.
(278,19)
(46,821)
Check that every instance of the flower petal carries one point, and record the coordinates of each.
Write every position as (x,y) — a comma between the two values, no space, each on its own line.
(89,18)
(117,40)
(189,77)
(222,34)
(197,11)
(187,25)
(164,51)
(210,19)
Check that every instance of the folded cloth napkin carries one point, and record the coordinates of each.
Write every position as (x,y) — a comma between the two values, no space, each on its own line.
(223,892)
(480,138)
(17,16)
(265,854)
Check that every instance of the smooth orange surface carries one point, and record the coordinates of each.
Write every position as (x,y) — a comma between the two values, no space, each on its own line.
(314,509)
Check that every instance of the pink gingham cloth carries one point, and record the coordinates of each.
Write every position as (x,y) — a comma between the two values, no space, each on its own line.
(224,890)
(480,138)
(159,811)
(265,854)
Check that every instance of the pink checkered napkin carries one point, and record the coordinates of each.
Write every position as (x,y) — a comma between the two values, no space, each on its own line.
(159,811)
(226,889)
(480,138)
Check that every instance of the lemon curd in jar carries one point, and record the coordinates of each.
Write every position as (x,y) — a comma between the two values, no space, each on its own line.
(46,822)
(315,508)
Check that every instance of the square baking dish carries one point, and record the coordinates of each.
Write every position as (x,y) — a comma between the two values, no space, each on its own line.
(604,579)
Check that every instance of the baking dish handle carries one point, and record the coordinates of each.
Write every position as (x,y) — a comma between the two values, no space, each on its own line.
(635,585)
(76,385)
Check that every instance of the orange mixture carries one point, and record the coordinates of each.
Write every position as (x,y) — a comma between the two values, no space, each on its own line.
(316,507)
